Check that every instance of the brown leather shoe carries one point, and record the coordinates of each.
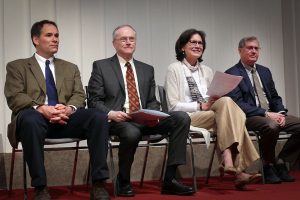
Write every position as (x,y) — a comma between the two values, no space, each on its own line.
(41,194)
(98,192)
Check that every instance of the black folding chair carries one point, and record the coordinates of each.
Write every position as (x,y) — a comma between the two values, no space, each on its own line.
(191,138)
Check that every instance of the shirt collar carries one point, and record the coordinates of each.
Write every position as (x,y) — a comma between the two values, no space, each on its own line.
(42,59)
(122,61)
(247,67)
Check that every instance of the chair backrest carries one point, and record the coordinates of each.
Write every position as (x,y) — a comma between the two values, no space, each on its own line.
(163,98)
(87,92)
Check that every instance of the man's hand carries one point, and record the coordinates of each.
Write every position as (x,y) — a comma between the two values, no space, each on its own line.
(56,114)
(118,116)
(277,117)
(67,110)
(48,111)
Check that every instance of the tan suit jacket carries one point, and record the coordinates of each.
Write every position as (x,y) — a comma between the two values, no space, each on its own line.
(25,87)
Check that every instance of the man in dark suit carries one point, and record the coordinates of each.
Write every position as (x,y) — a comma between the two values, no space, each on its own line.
(108,92)
(257,96)
(47,100)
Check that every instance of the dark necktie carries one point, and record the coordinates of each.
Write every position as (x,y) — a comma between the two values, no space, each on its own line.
(259,91)
(50,86)
(134,102)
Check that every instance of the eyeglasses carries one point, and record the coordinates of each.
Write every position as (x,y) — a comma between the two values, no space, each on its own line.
(125,39)
(195,42)
(250,48)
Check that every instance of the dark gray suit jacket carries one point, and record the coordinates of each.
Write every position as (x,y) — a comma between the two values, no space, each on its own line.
(107,89)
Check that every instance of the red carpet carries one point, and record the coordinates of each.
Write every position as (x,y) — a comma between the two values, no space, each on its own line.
(215,190)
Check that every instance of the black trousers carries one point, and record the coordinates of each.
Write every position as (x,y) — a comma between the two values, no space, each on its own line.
(270,132)
(177,126)
(90,124)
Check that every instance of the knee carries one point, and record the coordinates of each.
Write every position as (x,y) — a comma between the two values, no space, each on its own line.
(97,115)
(30,117)
(131,137)
(179,117)
(226,100)
(31,124)
(229,104)
(271,126)
(210,114)
(271,129)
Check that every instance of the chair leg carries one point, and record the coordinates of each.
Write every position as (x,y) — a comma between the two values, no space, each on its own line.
(74,166)
(112,167)
(163,168)
(261,159)
(12,166)
(88,174)
(210,163)
(193,164)
(145,164)
(25,179)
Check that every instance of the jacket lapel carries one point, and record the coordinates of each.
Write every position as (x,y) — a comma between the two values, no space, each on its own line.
(140,78)
(265,88)
(37,72)
(117,70)
(59,71)
(247,80)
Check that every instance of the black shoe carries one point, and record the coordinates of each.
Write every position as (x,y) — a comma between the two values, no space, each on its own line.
(282,173)
(123,190)
(270,175)
(41,194)
(98,192)
(174,187)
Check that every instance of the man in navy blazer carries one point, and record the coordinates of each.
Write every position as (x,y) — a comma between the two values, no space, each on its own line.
(108,92)
(268,121)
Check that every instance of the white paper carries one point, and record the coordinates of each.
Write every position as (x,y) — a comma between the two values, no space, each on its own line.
(222,84)
(204,132)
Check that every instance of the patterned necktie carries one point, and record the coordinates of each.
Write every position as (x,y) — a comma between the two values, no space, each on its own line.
(134,102)
(50,86)
(259,91)
(195,93)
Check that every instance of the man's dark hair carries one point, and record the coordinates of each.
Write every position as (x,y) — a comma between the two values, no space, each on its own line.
(184,38)
(37,28)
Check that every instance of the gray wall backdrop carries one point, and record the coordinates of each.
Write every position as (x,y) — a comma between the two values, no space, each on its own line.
(86,26)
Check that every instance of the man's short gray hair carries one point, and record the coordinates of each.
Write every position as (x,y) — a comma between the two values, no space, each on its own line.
(243,41)
(119,27)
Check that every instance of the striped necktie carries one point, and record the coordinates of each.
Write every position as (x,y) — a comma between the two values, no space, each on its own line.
(134,102)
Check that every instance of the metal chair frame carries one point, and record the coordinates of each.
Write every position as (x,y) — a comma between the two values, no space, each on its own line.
(192,135)
(48,141)
(283,135)
(151,141)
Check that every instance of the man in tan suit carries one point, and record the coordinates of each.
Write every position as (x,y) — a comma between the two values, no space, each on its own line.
(47,100)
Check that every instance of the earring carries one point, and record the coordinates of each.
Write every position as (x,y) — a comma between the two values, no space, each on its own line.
(183,52)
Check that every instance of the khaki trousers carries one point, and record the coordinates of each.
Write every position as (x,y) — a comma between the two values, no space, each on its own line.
(228,120)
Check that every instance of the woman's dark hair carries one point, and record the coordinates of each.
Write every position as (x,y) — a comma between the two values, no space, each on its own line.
(184,38)
(36,28)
